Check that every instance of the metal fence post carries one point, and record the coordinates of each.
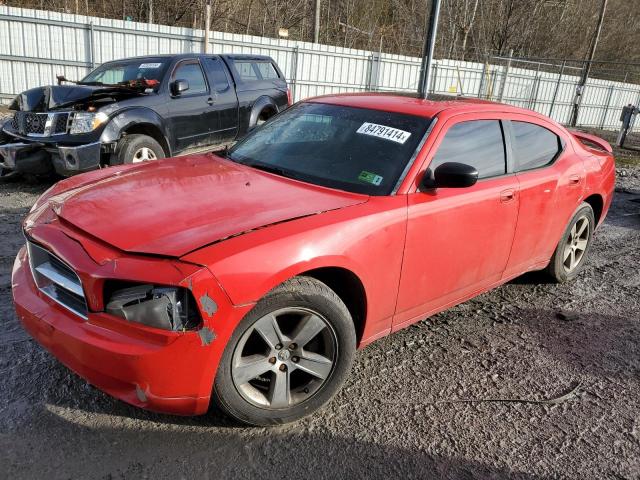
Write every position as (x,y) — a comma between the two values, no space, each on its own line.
(555,92)
(505,76)
(534,93)
(374,72)
(484,72)
(434,77)
(92,57)
(293,76)
(606,108)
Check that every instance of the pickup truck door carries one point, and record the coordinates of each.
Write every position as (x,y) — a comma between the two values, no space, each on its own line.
(225,100)
(191,116)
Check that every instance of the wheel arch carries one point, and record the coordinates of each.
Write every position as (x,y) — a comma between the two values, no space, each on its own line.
(261,105)
(149,130)
(597,204)
(137,120)
(348,286)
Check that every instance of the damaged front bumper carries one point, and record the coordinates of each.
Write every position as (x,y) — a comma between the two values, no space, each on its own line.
(160,370)
(40,158)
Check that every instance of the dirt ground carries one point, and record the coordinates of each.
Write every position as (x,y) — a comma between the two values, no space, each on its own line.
(396,417)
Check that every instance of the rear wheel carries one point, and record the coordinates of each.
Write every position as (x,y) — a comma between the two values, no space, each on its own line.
(288,356)
(137,148)
(571,253)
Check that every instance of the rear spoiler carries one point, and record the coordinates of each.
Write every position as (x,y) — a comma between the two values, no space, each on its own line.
(592,140)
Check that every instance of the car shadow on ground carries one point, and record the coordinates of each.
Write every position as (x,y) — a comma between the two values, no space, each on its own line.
(292,451)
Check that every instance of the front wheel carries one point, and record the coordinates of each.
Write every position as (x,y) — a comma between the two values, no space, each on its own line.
(571,253)
(137,148)
(288,356)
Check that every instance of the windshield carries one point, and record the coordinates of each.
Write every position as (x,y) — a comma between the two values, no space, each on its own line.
(126,70)
(353,149)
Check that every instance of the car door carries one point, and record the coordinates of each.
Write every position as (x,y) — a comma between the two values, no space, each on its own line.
(191,116)
(225,100)
(458,239)
(551,178)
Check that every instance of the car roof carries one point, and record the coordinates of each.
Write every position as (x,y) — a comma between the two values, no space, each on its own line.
(231,56)
(411,104)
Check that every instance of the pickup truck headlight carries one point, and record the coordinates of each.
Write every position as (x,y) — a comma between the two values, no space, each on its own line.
(169,308)
(84,122)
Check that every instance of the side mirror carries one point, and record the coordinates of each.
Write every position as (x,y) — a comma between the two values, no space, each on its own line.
(450,175)
(179,86)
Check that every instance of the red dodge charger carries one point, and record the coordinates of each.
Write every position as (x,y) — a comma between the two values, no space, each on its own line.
(250,276)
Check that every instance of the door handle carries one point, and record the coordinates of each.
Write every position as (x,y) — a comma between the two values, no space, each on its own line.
(210,101)
(507,195)
(574,179)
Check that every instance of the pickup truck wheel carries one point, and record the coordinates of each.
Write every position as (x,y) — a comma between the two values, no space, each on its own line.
(288,356)
(571,253)
(137,148)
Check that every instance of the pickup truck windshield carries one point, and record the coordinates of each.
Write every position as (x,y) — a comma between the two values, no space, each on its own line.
(353,149)
(126,70)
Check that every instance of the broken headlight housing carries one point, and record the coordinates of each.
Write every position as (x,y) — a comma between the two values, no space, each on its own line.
(169,308)
(85,122)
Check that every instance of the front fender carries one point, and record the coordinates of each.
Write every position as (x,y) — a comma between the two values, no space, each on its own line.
(366,239)
(127,118)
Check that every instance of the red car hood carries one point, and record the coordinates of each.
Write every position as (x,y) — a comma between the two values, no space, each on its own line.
(172,207)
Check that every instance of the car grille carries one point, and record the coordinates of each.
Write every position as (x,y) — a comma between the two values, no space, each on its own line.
(57,280)
(41,124)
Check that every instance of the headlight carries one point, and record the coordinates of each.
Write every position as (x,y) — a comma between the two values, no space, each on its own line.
(84,122)
(169,308)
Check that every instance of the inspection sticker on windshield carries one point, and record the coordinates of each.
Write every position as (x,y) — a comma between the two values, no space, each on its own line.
(369,177)
(381,131)
(150,65)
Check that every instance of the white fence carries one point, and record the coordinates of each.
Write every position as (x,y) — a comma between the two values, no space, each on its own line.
(36,45)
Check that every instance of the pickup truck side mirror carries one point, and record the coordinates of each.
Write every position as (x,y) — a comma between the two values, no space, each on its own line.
(450,175)
(179,86)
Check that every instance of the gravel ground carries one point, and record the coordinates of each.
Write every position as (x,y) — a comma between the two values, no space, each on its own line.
(528,340)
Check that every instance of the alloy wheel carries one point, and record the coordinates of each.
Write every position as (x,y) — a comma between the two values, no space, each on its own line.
(284,358)
(144,154)
(576,244)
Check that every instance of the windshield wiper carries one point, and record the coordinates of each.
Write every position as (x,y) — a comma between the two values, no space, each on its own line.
(271,169)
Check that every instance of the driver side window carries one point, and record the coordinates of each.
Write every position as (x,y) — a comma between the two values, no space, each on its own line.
(192,73)
(479,143)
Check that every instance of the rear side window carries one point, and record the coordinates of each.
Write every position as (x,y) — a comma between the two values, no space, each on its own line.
(267,70)
(534,146)
(478,143)
(217,74)
(246,71)
(192,73)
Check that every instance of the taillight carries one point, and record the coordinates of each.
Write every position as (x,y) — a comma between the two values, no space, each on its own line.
(289,99)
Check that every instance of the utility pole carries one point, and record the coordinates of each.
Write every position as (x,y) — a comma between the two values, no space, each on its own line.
(316,23)
(427,54)
(207,26)
(587,67)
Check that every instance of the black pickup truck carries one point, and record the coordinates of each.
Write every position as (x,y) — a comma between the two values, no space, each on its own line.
(140,109)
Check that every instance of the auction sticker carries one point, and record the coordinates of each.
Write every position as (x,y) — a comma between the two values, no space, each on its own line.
(369,177)
(150,65)
(382,131)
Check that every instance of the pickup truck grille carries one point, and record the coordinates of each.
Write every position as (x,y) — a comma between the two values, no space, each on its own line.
(57,280)
(40,124)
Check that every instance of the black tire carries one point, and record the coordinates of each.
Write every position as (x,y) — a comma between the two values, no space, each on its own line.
(299,292)
(557,268)
(130,145)
(264,115)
